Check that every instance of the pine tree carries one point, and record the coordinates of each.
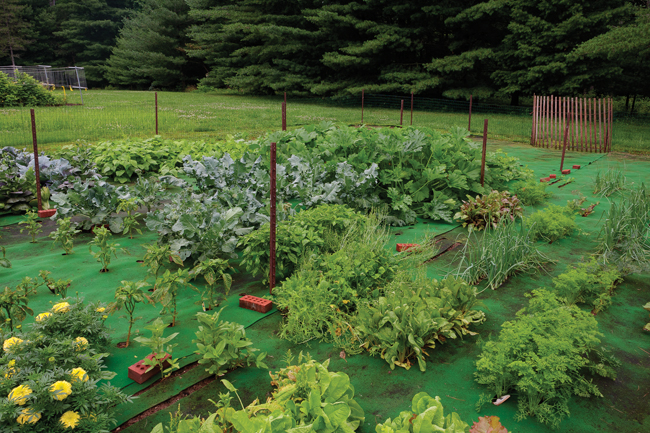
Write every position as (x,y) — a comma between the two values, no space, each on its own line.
(13,28)
(150,50)
(86,32)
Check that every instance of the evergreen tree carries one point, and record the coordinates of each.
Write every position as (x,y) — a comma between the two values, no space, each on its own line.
(150,50)
(380,45)
(87,30)
(258,47)
(618,60)
(12,29)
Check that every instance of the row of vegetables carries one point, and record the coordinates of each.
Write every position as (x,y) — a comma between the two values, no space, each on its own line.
(338,281)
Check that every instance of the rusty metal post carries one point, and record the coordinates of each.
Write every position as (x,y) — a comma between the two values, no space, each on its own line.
(566,133)
(469,124)
(362,98)
(272,222)
(485,126)
(36,167)
(284,116)
(401,113)
(156,113)
(411,108)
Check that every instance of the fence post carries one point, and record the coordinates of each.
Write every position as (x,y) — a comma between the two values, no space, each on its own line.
(469,123)
(76,71)
(272,220)
(566,133)
(401,113)
(362,98)
(532,133)
(156,98)
(284,112)
(411,108)
(485,127)
(36,166)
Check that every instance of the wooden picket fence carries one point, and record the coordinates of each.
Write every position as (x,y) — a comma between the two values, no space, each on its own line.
(586,122)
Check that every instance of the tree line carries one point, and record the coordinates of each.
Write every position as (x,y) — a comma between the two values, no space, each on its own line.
(450,48)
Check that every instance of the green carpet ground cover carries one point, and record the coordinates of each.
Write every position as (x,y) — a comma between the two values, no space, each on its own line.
(381,392)
(115,114)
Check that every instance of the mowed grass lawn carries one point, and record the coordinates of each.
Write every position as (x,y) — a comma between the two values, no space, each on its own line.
(119,114)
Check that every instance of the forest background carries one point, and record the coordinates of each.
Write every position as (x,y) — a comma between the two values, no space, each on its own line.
(506,49)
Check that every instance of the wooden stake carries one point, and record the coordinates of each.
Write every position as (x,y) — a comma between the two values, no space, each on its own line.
(272,219)
(411,108)
(36,166)
(401,113)
(469,123)
(362,97)
(566,133)
(485,128)
(156,98)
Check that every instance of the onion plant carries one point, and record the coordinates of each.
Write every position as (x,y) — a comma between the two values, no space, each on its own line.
(625,235)
(609,181)
(499,253)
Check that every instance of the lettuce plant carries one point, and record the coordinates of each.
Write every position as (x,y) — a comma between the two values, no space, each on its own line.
(426,415)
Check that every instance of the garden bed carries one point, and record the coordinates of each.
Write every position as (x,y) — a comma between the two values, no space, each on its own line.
(382,392)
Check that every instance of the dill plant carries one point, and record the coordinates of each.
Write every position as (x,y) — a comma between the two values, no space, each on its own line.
(553,223)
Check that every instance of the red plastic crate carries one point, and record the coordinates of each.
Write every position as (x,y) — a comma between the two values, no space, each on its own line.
(552,176)
(567,171)
(576,167)
(405,247)
(137,370)
(256,304)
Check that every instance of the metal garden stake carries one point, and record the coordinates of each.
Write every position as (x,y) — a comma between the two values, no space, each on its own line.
(36,167)
(272,222)
(484,150)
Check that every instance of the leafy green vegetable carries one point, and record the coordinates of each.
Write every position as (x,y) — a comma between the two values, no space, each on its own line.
(426,415)
(414,315)
(489,210)
(223,345)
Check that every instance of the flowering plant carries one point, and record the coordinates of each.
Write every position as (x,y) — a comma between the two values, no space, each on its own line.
(49,374)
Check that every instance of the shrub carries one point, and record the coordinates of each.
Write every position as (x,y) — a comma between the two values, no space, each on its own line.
(544,355)
(531,193)
(489,210)
(553,223)
(24,90)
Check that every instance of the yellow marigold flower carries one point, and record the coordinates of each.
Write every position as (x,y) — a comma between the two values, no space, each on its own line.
(104,317)
(81,343)
(70,419)
(28,416)
(100,309)
(11,369)
(43,316)
(9,342)
(79,374)
(61,307)
(61,390)
(19,394)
